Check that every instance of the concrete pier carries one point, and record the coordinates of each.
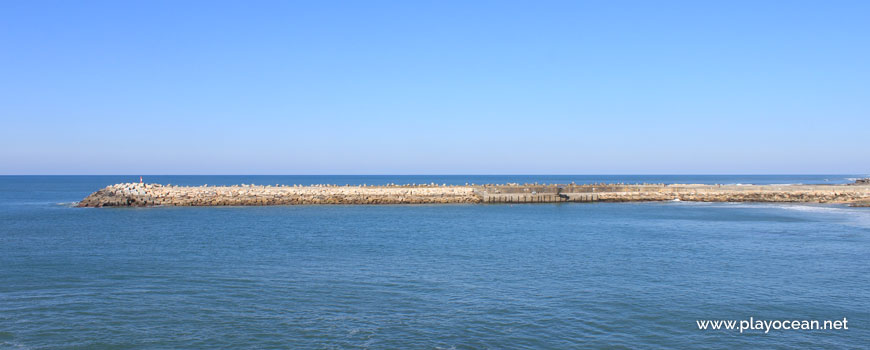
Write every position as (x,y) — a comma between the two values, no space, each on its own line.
(137,194)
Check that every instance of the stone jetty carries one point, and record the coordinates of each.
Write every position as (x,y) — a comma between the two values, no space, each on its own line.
(138,194)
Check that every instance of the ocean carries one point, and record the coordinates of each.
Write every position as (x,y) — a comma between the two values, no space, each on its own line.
(499,276)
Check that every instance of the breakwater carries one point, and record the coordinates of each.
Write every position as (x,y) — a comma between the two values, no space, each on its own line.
(138,194)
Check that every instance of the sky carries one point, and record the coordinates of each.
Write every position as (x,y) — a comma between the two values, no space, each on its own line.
(434,87)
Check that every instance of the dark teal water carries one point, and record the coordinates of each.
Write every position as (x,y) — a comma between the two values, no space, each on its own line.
(535,276)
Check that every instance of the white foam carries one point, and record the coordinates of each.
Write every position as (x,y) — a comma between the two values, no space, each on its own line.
(812,208)
(688,203)
(836,213)
(11,345)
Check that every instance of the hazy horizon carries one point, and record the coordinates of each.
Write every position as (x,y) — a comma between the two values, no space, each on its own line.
(456,174)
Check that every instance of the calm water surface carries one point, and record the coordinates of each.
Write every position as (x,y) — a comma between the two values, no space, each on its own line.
(535,276)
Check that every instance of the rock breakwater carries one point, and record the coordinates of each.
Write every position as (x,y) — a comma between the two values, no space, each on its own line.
(137,194)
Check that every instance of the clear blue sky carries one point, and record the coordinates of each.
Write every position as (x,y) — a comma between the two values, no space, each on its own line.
(441,87)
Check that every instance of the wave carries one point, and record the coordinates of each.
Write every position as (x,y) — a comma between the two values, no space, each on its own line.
(687,203)
(853,179)
(12,345)
(837,213)
(833,213)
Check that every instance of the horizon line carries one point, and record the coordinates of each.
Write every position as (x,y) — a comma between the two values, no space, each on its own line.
(505,174)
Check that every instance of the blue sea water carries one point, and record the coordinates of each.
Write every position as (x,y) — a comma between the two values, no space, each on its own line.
(533,276)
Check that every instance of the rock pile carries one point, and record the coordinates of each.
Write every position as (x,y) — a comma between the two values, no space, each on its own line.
(134,194)
(138,194)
